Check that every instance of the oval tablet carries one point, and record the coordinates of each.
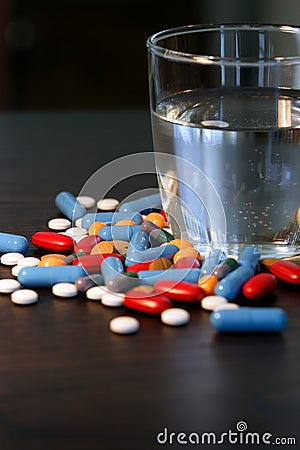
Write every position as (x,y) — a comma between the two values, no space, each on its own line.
(124,325)
(286,271)
(59,224)
(96,292)
(8,285)
(11,259)
(175,317)
(112,300)
(107,204)
(24,297)
(64,290)
(86,201)
(49,240)
(28,261)
(213,301)
(180,291)
(259,286)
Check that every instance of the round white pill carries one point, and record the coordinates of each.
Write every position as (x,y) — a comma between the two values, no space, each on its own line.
(15,270)
(228,305)
(29,261)
(78,222)
(86,201)
(124,325)
(215,123)
(8,285)
(24,297)
(75,232)
(175,317)
(112,300)
(96,292)
(212,301)
(11,259)
(64,290)
(59,224)
(107,204)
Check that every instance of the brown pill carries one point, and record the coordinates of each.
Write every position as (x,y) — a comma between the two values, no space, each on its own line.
(160,264)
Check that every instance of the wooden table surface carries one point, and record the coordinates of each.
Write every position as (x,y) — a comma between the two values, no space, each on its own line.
(66,381)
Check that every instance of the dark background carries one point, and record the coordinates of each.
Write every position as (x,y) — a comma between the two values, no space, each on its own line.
(70,54)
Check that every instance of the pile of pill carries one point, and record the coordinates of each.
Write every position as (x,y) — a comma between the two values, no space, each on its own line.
(124,255)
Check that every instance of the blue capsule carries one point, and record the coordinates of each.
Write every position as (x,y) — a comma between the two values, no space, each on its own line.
(135,255)
(142,204)
(118,233)
(249,320)
(231,285)
(13,243)
(69,206)
(150,277)
(110,268)
(249,257)
(48,276)
(110,218)
(212,260)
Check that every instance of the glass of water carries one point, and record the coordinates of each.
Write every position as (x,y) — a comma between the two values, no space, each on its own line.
(225,112)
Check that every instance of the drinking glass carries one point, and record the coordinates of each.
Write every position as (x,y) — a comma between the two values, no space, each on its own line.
(225,105)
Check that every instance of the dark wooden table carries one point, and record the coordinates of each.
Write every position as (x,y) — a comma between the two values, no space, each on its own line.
(66,381)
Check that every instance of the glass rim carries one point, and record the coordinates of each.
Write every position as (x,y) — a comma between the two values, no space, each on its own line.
(178,56)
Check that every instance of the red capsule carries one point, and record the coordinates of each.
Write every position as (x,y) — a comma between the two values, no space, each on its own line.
(86,244)
(151,304)
(49,240)
(92,263)
(139,266)
(260,286)
(286,271)
(181,291)
(187,263)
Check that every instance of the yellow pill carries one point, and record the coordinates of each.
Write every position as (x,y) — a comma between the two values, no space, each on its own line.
(208,283)
(266,263)
(121,247)
(125,222)
(187,252)
(160,264)
(103,247)
(181,243)
(95,227)
(51,261)
(156,218)
(53,255)
(143,288)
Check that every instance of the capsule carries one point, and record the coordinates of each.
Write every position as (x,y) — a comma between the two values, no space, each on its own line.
(82,284)
(212,260)
(187,262)
(110,218)
(48,276)
(69,206)
(141,204)
(245,320)
(230,286)
(139,266)
(165,251)
(153,304)
(92,263)
(286,271)
(86,244)
(122,283)
(49,240)
(249,257)
(225,268)
(13,243)
(110,268)
(182,291)
(260,286)
(150,277)
(159,237)
(118,232)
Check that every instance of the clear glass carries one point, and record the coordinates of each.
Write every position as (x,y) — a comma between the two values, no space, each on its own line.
(226,99)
